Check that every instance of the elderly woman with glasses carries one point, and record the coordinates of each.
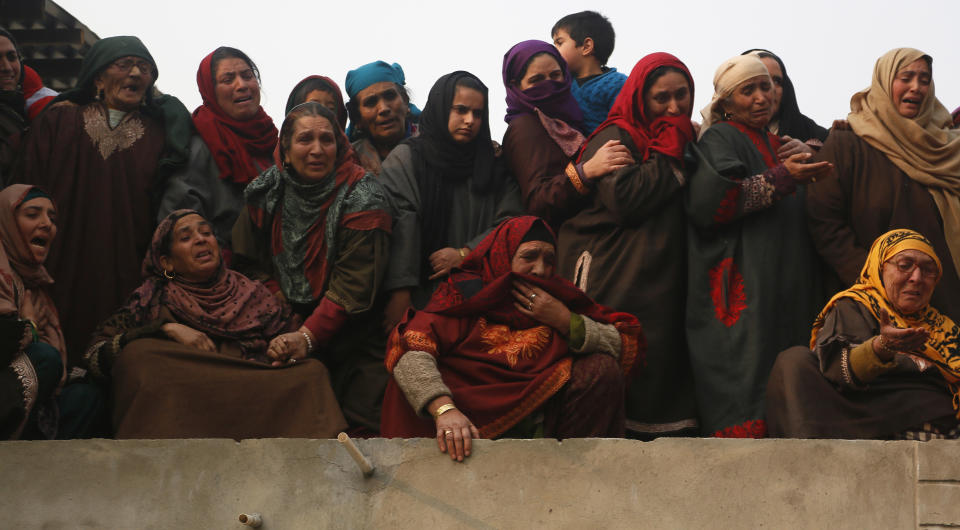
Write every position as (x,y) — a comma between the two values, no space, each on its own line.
(101,150)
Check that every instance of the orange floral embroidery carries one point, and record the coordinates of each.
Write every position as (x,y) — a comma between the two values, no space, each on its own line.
(514,345)
(418,341)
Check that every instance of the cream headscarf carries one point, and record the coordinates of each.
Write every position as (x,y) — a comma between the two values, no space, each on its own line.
(924,147)
(728,77)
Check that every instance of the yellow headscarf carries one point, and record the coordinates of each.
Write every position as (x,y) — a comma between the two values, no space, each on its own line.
(924,147)
(943,346)
(727,78)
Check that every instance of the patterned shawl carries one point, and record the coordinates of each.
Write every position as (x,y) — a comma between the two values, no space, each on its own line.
(227,306)
(237,146)
(301,218)
(943,346)
(500,364)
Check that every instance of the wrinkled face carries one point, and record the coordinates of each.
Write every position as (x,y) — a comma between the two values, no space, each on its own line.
(237,89)
(194,252)
(776,75)
(542,68)
(383,113)
(910,87)
(909,278)
(37,220)
(466,115)
(751,102)
(313,147)
(536,258)
(125,82)
(669,95)
(324,98)
(568,49)
(9,65)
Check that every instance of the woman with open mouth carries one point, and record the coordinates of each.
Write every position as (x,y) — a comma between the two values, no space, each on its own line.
(188,353)
(897,167)
(101,150)
(753,273)
(316,230)
(234,143)
(32,350)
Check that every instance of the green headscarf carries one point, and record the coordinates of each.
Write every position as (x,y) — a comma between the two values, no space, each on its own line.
(167,109)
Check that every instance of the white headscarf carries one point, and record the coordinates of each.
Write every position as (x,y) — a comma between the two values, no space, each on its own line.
(728,77)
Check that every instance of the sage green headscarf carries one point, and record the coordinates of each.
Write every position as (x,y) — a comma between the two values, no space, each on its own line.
(167,109)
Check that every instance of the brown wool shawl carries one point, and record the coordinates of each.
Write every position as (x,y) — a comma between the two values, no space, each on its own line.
(924,147)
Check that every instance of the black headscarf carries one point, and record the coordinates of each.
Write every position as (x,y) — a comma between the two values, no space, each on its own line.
(14,98)
(441,161)
(792,122)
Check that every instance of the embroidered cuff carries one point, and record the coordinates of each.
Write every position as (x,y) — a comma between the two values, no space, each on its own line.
(577,178)
(417,376)
(865,364)
(783,184)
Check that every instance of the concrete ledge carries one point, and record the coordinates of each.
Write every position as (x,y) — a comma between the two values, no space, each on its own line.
(672,483)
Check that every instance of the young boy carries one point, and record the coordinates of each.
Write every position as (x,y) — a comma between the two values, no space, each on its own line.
(585,40)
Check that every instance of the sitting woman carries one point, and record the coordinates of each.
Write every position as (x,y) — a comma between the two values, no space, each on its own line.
(505,348)
(188,353)
(544,135)
(752,270)
(628,250)
(897,167)
(322,90)
(884,362)
(448,188)
(234,142)
(381,114)
(317,230)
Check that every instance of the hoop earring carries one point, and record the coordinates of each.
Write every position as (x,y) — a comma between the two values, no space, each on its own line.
(168,275)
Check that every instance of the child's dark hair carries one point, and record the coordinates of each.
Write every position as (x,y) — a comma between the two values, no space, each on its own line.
(589,24)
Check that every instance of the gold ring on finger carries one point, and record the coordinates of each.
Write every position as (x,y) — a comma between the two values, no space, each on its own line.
(448,432)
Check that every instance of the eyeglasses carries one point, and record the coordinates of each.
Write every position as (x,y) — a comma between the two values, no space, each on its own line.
(463,110)
(125,65)
(907,266)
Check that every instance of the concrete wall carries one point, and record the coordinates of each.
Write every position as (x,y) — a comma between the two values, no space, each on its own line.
(682,483)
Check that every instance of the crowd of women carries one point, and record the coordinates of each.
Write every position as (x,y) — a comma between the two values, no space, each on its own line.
(386,270)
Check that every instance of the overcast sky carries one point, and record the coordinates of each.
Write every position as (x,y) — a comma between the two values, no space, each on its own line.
(829,47)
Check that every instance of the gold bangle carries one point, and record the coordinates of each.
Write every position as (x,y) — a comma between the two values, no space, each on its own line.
(462,253)
(444,408)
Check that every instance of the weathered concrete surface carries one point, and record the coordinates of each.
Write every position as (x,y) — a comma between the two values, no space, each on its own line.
(680,483)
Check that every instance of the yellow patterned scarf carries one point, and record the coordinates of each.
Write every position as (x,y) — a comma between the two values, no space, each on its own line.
(943,346)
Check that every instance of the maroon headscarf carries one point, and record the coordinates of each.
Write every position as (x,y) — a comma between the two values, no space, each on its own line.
(228,306)
(235,145)
(668,135)
(553,98)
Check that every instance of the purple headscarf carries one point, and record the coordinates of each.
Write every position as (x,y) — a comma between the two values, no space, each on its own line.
(553,98)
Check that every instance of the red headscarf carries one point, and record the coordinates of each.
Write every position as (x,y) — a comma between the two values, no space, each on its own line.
(499,364)
(666,134)
(235,145)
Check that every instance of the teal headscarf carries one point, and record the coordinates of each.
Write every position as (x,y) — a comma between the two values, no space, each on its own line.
(376,72)
(167,109)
